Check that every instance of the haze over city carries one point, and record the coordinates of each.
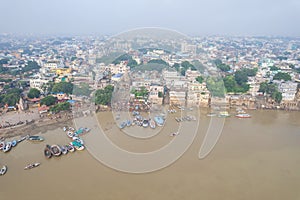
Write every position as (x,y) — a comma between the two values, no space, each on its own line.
(215,17)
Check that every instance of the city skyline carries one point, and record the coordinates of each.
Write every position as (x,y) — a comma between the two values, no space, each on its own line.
(231,17)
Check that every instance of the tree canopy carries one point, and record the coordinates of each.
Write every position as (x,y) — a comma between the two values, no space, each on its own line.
(48,100)
(65,87)
(103,96)
(282,76)
(33,93)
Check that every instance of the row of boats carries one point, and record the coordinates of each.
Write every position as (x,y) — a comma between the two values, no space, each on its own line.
(7,146)
(76,143)
(240,114)
(143,122)
(185,118)
(3,169)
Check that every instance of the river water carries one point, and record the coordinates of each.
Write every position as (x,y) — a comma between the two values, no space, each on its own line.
(256,158)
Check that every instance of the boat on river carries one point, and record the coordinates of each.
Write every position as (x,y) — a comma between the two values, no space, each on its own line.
(7,147)
(36,138)
(55,150)
(3,170)
(47,151)
(31,166)
(243,115)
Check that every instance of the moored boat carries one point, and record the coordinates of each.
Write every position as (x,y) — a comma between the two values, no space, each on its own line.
(70,148)
(243,115)
(123,125)
(211,114)
(64,150)
(2,145)
(14,143)
(77,145)
(7,147)
(23,138)
(33,165)
(55,150)
(145,123)
(159,120)
(47,151)
(36,138)
(224,114)
(152,124)
(70,134)
(3,170)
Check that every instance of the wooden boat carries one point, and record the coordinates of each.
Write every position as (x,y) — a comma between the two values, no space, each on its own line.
(23,138)
(14,143)
(3,170)
(7,147)
(55,150)
(36,138)
(70,148)
(47,151)
(2,145)
(64,150)
(33,165)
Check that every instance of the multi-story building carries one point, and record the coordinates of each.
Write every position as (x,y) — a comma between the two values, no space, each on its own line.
(288,90)
(156,94)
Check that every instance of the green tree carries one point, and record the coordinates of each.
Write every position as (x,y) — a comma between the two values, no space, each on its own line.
(103,96)
(240,77)
(60,107)
(230,83)
(282,76)
(215,86)
(200,79)
(33,93)
(65,87)
(277,96)
(263,87)
(48,100)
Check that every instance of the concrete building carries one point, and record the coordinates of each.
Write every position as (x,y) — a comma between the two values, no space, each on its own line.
(288,90)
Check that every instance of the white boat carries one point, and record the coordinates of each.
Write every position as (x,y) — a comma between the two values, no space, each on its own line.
(79,148)
(33,165)
(224,114)
(70,134)
(7,147)
(243,115)
(152,124)
(145,123)
(3,170)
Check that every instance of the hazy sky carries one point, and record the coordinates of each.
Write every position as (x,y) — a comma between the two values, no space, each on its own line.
(193,17)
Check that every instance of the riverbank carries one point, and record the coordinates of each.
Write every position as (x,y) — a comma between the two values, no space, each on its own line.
(36,127)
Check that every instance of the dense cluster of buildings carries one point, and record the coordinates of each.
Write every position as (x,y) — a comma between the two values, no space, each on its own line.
(77,60)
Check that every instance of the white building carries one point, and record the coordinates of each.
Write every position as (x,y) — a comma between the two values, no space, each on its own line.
(288,90)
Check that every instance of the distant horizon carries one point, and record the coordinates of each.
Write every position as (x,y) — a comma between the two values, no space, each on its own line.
(192,17)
